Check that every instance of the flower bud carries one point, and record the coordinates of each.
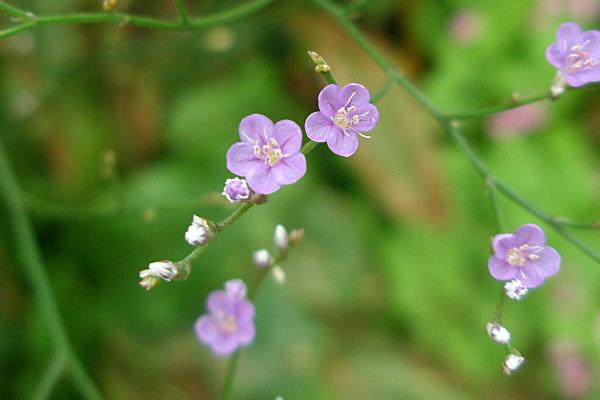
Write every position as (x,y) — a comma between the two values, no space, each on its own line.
(296,235)
(262,258)
(512,362)
(497,332)
(236,190)
(278,274)
(147,281)
(199,232)
(165,270)
(281,238)
(559,85)
(515,289)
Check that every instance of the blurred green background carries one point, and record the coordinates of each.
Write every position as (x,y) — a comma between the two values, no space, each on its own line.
(119,134)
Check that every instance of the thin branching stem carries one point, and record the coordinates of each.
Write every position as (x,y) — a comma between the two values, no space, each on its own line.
(51,376)
(182,11)
(29,256)
(31,21)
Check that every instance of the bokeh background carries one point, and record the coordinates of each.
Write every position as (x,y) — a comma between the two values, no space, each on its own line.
(119,135)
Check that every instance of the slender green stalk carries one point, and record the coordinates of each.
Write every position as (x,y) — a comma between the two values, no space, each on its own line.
(513,103)
(51,376)
(182,10)
(229,375)
(14,11)
(454,133)
(356,6)
(219,18)
(29,256)
(495,203)
(387,86)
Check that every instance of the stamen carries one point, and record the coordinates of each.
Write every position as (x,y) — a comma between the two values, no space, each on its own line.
(349,99)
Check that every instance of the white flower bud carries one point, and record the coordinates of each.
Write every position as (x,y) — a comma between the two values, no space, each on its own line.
(512,362)
(165,270)
(278,274)
(199,232)
(148,281)
(497,332)
(262,258)
(281,238)
(559,84)
(515,289)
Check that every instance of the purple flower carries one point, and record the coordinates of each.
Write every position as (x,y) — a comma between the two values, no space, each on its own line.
(230,322)
(576,54)
(344,114)
(268,155)
(523,256)
(236,190)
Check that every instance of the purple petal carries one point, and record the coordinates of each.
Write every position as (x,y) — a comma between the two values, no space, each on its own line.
(502,243)
(225,344)
(206,329)
(368,116)
(289,136)
(531,276)
(555,55)
(244,311)
(319,127)
(529,234)
(566,35)
(549,262)
(256,128)
(290,169)
(217,301)
(577,79)
(330,100)
(246,333)
(343,144)
(262,180)
(501,270)
(355,94)
(241,159)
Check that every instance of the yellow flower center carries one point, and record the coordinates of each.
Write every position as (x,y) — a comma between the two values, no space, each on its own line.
(226,322)
(271,152)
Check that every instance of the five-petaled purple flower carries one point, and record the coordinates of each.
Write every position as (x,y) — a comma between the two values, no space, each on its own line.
(344,114)
(576,54)
(523,256)
(268,155)
(230,324)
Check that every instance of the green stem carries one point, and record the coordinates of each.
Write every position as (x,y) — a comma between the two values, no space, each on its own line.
(385,88)
(51,376)
(514,103)
(29,256)
(500,306)
(182,10)
(134,20)
(229,375)
(457,137)
(14,11)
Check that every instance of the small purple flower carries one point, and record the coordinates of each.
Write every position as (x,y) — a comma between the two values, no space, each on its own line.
(236,190)
(576,54)
(344,114)
(268,155)
(523,256)
(230,322)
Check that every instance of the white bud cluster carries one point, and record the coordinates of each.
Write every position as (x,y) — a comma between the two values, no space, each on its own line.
(497,332)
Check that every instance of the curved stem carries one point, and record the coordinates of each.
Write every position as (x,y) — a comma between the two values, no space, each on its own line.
(134,20)
(51,376)
(229,375)
(28,254)
(182,10)
(513,103)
